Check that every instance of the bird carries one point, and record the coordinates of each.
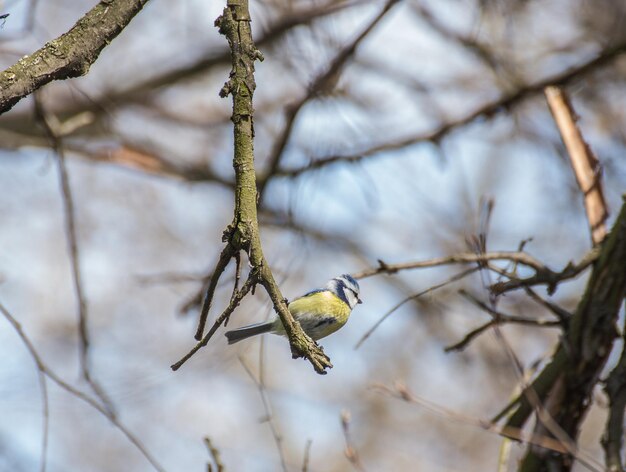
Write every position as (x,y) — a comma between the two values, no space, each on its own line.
(320,312)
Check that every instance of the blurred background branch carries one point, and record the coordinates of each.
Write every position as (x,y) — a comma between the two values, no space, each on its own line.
(390,136)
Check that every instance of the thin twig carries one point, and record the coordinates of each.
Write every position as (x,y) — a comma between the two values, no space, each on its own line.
(149,161)
(401,392)
(545,420)
(489,110)
(323,83)
(215,456)
(452,279)
(43,368)
(234,303)
(307,455)
(543,274)
(497,319)
(46,419)
(561,313)
(237,258)
(269,416)
(52,126)
(461,258)
(350,451)
(227,253)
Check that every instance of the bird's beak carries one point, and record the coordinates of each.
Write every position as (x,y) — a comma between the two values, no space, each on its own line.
(360,301)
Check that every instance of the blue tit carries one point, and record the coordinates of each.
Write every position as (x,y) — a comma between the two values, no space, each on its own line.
(320,312)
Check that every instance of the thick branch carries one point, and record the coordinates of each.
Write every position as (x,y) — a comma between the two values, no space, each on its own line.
(69,55)
(613,438)
(582,353)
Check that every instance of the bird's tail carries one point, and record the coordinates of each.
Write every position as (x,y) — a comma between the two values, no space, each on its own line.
(239,334)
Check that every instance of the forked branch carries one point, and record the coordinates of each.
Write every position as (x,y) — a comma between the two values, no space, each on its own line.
(243,233)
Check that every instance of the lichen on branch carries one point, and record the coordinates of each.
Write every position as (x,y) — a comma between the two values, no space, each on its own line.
(69,55)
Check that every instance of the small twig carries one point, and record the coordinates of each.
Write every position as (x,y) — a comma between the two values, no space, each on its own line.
(307,455)
(548,277)
(323,83)
(452,279)
(350,451)
(142,159)
(561,313)
(46,419)
(545,420)
(52,128)
(497,319)
(269,417)
(44,369)
(510,272)
(584,162)
(215,456)
(461,258)
(234,303)
(227,253)
(401,392)
(169,277)
(543,274)
(469,337)
(237,278)
(486,111)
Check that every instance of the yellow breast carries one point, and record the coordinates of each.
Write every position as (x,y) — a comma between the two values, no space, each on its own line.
(319,314)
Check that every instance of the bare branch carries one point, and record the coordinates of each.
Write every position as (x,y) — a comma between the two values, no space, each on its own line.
(243,233)
(322,84)
(498,319)
(282,26)
(452,279)
(461,258)
(234,303)
(69,55)
(350,451)
(51,126)
(149,162)
(570,377)
(46,419)
(269,416)
(307,454)
(44,369)
(227,253)
(487,111)
(215,456)
(584,162)
(613,438)
(562,314)
(401,392)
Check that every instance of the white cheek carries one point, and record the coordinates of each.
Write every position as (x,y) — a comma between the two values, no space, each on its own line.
(352,298)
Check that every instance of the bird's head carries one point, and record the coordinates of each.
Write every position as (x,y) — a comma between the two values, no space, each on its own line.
(346,288)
